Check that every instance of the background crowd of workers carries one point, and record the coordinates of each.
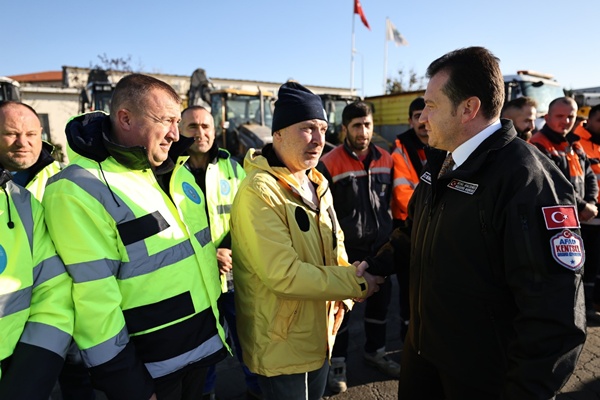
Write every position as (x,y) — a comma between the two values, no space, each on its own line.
(154,254)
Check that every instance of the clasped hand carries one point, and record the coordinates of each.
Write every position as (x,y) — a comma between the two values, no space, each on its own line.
(373,281)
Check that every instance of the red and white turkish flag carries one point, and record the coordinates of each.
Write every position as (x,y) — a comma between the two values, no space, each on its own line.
(560,217)
(358,10)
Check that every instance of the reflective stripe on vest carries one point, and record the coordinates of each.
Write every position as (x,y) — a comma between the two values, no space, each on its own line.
(165,367)
(21,199)
(106,350)
(142,263)
(14,302)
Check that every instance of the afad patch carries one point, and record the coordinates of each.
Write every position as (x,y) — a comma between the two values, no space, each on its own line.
(567,250)
(560,217)
(191,193)
(426,177)
(462,186)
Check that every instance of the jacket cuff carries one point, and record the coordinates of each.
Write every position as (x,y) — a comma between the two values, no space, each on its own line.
(30,373)
(124,377)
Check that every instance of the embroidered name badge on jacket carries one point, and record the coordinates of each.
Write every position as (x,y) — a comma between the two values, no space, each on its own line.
(426,177)
(462,186)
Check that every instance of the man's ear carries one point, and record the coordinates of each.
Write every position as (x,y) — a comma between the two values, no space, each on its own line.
(469,109)
(124,119)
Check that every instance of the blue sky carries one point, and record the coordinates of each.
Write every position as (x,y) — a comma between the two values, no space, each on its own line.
(308,40)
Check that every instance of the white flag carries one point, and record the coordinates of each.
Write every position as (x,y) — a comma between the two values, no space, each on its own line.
(391,33)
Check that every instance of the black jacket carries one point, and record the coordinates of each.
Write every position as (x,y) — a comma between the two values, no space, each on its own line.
(361,193)
(489,302)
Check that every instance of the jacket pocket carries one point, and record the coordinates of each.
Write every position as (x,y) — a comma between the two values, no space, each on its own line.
(287,313)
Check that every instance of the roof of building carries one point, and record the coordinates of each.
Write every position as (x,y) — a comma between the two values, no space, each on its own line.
(44,76)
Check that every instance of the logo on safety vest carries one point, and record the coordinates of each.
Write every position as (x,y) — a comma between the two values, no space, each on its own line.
(3,259)
(225,187)
(191,193)
(567,250)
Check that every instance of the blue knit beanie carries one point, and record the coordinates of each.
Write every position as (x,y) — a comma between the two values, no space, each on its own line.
(294,104)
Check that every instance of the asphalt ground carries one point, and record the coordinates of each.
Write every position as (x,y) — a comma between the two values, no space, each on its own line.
(365,382)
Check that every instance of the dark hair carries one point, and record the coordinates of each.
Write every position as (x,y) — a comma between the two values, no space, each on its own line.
(358,109)
(518,103)
(7,103)
(472,71)
(417,104)
(594,110)
(131,91)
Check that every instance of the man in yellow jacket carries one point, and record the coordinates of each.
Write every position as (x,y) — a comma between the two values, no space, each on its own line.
(290,265)
(36,310)
(138,248)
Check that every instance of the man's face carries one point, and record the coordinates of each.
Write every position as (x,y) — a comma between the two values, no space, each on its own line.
(441,120)
(199,125)
(418,127)
(561,117)
(524,121)
(154,126)
(20,137)
(359,133)
(299,146)
(593,124)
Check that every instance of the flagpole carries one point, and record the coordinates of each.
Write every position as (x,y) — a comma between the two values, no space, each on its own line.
(385,54)
(352,56)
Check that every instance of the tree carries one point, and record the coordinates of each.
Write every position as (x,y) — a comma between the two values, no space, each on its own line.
(404,82)
(113,64)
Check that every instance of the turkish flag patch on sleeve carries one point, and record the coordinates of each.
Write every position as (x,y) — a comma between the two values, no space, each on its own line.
(560,217)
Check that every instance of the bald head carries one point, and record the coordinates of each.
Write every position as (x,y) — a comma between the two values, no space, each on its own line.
(20,136)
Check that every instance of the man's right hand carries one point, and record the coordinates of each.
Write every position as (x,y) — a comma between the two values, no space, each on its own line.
(373,282)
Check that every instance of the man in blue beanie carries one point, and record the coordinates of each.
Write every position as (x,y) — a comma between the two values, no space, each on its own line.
(290,264)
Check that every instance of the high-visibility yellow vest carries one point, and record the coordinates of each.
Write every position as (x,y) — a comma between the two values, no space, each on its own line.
(35,290)
(142,263)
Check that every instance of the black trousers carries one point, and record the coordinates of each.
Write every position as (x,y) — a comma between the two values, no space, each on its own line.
(421,380)
(188,385)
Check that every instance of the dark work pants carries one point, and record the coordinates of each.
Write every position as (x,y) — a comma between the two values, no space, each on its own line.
(227,309)
(421,380)
(185,386)
(302,386)
(591,243)
(376,308)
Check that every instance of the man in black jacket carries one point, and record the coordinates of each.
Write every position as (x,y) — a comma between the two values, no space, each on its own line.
(497,308)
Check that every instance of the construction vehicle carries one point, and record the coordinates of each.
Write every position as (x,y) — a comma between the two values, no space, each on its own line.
(334,105)
(543,88)
(242,117)
(97,93)
(390,113)
(9,89)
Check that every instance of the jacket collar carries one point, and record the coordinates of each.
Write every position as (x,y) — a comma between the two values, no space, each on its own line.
(489,146)
(44,159)
(373,152)
(90,135)
(411,136)
(556,137)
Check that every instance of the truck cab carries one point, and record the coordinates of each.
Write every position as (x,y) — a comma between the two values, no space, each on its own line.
(543,88)
(97,93)
(9,89)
